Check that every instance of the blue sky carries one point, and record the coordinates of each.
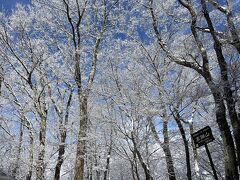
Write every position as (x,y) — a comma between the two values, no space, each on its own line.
(10,4)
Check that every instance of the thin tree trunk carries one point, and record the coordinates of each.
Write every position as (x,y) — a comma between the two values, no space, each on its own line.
(106,172)
(96,164)
(167,152)
(195,153)
(60,155)
(136,166)
(185,141)
(30,166)
(91,172)
(132,168)
(18,149)
(41,153)
(63,136)
(90,169)
(166,148)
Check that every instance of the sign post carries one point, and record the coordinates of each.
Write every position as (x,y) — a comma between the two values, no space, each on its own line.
(203,137)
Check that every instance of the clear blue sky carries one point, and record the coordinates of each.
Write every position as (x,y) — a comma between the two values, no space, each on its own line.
(10,4)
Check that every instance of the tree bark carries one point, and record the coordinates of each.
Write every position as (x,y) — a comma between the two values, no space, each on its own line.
(60,155)
(185,141)
(166,148)
(96,164)
(19,148)
(81,146)
(132,168)
(135,165)
(63,135)
(195,153)
(41,153)
(30,166)
(167,152)
(231,171)
(106,172)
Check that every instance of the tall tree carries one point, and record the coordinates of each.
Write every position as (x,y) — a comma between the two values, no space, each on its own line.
(231,170)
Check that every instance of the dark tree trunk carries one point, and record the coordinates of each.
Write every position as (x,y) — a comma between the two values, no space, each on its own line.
(231,171)
(63,136)
(135,163)
(185,141)
(96,165)
(132,168)
(60,156)
(234,121)
(107,167)
(233,30)
(106,172)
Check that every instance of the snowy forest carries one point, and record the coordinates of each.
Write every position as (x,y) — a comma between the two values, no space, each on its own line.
(114,89)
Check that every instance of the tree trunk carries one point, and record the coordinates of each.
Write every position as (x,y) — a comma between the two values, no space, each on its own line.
(96,165)
(135,164)
(234,121)
(61,152)
(41,153)
(30,166)
(195,154)
(132,168)
(63,121)
(79,165)
(18,149)
(106,172)
(185,141)
(231,171)
(233,30)
(167,152)
(89,162)
(166,148)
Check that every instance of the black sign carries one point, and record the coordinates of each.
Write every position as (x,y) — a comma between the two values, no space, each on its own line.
(202,137)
